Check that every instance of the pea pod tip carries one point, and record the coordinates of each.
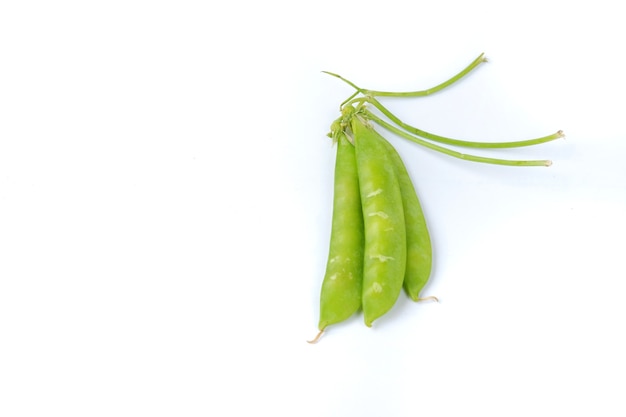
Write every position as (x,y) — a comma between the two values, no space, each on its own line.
(316,338)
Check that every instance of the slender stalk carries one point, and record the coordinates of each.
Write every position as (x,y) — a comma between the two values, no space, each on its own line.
(456,142)
(474,158)
(350,83)
(432,90)
(343,103)
(421,93)
(344,80)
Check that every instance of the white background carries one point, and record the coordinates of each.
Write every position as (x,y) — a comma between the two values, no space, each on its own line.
(165,207)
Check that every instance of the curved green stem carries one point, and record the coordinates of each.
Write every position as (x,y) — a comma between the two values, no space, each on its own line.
(374,93)
(474,158)
(350,83)
(432,90)
(456,142)
(344,80)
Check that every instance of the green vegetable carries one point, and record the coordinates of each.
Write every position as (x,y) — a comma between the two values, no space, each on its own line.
(383,216)
(342,285)
(419,250)
(379,239)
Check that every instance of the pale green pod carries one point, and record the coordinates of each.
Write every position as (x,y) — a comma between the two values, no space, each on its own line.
(418,245)
(383,217)
(342,285)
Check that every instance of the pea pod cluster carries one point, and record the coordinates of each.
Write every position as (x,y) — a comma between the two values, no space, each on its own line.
(380,242)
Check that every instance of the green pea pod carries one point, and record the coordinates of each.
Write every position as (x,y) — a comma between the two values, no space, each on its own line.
(342,285)
(383,217)
(419,249)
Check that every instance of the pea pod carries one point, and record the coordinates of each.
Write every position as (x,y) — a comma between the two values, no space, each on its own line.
(342,285)
(419,249)
(379,231)
(383,217)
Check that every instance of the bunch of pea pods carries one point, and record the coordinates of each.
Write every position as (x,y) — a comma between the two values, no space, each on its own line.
(379,237)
